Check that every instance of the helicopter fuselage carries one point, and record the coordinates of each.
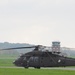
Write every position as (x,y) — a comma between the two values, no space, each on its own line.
(39,59)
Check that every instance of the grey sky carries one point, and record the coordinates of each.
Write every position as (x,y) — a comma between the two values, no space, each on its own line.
(38,21)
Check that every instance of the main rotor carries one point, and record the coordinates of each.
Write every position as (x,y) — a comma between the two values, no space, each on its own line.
(36,48)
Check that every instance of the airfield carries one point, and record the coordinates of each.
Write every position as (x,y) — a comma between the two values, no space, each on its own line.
(7,68)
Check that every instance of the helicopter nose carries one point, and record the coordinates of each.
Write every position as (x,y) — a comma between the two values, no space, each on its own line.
(17,63)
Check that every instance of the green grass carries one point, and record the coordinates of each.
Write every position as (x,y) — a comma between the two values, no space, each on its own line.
(20,71)
(6,62)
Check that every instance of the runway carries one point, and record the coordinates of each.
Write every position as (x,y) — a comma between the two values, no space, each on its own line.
(62,68)
(55,68)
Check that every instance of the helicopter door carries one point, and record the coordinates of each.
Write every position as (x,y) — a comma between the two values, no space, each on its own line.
(34,61)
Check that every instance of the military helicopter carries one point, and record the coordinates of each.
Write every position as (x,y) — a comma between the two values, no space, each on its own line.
(42,57)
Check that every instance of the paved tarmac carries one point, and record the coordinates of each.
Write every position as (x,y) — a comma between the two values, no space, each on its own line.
(62,68)
(55,68)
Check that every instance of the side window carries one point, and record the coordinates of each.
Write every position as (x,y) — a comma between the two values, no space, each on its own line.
(24,58)
(35,59)
(31,59)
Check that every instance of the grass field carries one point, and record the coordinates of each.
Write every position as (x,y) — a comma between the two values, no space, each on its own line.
(6,62)
(21,71)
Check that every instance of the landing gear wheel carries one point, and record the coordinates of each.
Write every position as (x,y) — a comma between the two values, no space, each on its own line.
(37,67)
(26,67)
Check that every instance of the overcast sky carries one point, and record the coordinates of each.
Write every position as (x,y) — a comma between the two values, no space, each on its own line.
(38,21)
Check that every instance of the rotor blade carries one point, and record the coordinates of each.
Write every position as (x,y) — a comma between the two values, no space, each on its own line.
(18,48)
